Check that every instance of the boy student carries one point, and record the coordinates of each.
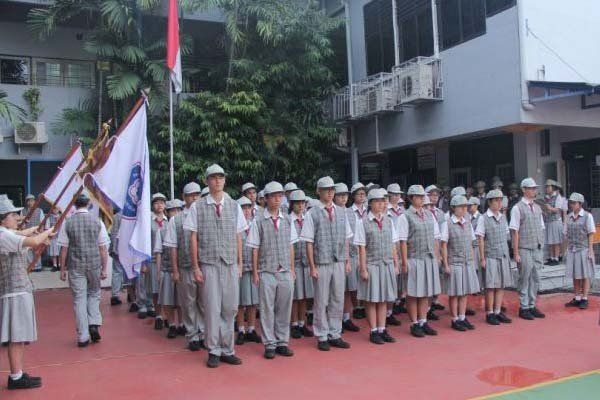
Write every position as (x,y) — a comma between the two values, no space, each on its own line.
(216,223)
(188,293)
(357,211)
(527,226)
(327,231)
(249,191)
(272,239)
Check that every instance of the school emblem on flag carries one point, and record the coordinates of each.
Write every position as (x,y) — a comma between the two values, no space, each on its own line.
(134,192)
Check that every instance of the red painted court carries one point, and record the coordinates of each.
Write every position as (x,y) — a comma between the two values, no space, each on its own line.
(135,362)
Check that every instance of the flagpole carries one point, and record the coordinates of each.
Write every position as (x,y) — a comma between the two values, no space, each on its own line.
(171,169)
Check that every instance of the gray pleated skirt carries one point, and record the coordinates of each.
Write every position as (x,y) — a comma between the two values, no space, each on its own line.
(167,295)
(303,286)
(554,232)
(423,278)
(352,277)
(579,266)
(401,283)
(462,280)
(248,290)
(17,319)
(480,271)
(154,277)
(497,273)
(382,285)
(53,248)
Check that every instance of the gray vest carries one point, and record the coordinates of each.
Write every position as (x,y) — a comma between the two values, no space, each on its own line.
(246,253)
(474,221)
(551,217)
(36,217)
(217,238)
(154,228)
(330,236)
(274,250)
(83,231)
(577,234)
(353,216)
(439,217)
(300,256)
(496,237)
(13,273)
(531,234)
(421,240)
(379,242)
(460,244)
(183,243)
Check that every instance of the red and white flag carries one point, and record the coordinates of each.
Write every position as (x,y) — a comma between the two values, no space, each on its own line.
(173,49)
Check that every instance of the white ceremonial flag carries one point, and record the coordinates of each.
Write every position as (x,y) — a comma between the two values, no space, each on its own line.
(66,177)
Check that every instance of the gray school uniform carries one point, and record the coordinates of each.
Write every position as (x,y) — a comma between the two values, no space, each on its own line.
(167,293)
(462,279)
(147,284)
(248,290)
(579,265)
(303,285)
(497,257)
(400,278)
(480,272)
(17,309)
(441,217)
(553,221)
(352,278)
(53,249)
(35,220)
(118,276)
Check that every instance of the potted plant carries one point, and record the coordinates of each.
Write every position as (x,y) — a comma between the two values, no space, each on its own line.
(32,131)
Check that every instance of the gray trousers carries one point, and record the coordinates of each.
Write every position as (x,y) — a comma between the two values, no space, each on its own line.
(328,305)
(276,292)
(143,291)
(529,277)
(220,294)
(189,298)
(116,277)
(85,286)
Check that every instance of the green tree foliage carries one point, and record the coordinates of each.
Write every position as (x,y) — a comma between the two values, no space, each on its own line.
(10,112)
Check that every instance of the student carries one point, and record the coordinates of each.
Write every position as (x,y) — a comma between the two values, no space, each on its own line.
(457,257)
(17,308)
(261,202)
(188,291)
(395,208)
(553,219)
(579,230)
(34,221)
(249,296)
(433,193)
(494,258)
(377,238)
(249,192)
(303,286)
(216,223)
(326,230)
(118,276)
(473,206)
(357,211)
(272,239)
(289,189)
(419,232)
(53,249)
(527,227)
(480,195)
(84,254)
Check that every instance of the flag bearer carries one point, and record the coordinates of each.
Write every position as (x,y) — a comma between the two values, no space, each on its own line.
(188,293)
(17,309)
(34,220)
(527,226)
(376,238)
(327,231)
(249,296)
(579,231)
(419,234)
(395,209)
(84,254)
(357,211)
(553,221)
(216,224)
(272,239)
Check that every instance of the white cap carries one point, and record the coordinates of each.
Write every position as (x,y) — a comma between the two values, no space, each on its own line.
(551,182)
(298,195)
(458,191)
(176,203)
(357,186)
(416,190)
(394,188)
(290,186)
(261,194)
(474,201)
(528,183)
(431,188)
(273,187)
(214,169)
(341,188)
(158,196)
(247,186)
(191,188)
(426,200)
(479,184)
(494,194)
(7,207)
(205,191)
(497,183)
(577,197)
(371,186)
(376,194)
(459,200)
(30,197)
(325,183)
(244,201)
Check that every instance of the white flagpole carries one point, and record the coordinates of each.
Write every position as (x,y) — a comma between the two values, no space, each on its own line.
(171,169)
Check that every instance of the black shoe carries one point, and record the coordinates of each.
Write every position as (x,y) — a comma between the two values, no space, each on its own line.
(231,359)
(432,316)
(181,331)
(396,309)
(202,345)
(560,260)
(142,314)
(349,326)
(213,361)
(94,334)
(468,324)
(437,306)
(339,343)
(253,337)
(309,319)
(269,354)
(537,313)
(151,313)
(83,344)
(359,313)
(573,303)
(392,321)
(296,332)
(115,301)
(172,334)
(429,330)
(284,351)
(457,326)
(583,304)
(129,299)
(417,331)
(241,339)
(194,345)
(492,319)
(526,314)
(55,269)
(323,345)
(387,337)
(133,307)
(306,332)
(375,338)
(503,318)
(549,262)
(25,382)
(470,312)
(159,324)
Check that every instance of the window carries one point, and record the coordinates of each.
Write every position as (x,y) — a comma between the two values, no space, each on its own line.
(14,70)
(461,20)
(545,143)
(416,29)
(379,35)
(495,6)
(64,73)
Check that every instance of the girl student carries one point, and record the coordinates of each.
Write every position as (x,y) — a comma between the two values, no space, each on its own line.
(457,258)
(377,238)
(357,211)
(53,248)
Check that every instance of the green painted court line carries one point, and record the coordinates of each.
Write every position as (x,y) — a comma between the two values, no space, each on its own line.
(580,387)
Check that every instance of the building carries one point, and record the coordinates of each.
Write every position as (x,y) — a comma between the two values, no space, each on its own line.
(453,91)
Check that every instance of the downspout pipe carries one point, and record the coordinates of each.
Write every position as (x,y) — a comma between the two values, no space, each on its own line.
(523,34)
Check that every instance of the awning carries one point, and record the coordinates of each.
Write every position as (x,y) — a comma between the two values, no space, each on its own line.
(540,91)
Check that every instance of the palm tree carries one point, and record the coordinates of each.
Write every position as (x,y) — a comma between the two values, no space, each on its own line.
(10,112)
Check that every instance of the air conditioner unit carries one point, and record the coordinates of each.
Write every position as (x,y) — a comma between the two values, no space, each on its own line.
(31,133)
(416,81)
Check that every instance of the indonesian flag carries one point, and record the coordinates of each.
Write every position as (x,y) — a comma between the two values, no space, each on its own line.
(173,49)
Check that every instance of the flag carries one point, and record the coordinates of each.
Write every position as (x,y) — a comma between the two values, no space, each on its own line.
(66,178)
(173,48)
(123,180)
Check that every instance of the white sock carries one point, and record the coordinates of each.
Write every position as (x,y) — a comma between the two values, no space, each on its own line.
(374,330)
(454,319)
(498,310)
(250,329)
(159,317)
(295,323)
(490,312)
(346,316)
(241,329)
(578,298)
(380,329)
(388,313)
(461,317)
(16,376)
(584,298)
(300,324)
(422,322)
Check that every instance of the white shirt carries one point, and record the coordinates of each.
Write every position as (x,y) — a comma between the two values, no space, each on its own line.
(158,243)
(308,228)
(103,238)
(360,238)
(10,242)
(170,239)
(590,226)
(253,239)
(191,220)
(444,233)
(515,216)
(480,229)
(358,212)
(403,227)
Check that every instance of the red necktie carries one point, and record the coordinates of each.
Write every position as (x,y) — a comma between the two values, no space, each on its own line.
(379,222)
(330,212)
(396,212)
(160,223)
(275,223)
(218,209)
(360,213)
(531,206)
(300,222)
